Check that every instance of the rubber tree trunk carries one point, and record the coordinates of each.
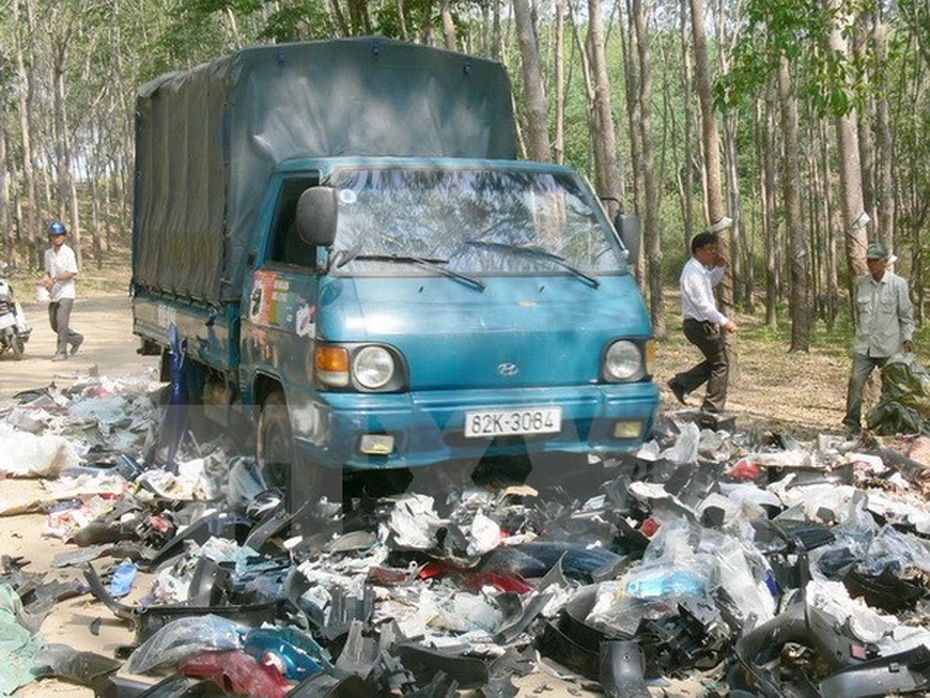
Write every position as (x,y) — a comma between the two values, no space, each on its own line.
(651,229)
(791,178)
(713,189)
(537,137)
(854,219)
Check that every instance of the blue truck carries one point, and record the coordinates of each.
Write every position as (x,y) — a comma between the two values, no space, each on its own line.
(342,237)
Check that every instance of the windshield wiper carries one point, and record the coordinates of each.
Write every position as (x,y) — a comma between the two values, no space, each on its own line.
(428,262)
(539,253)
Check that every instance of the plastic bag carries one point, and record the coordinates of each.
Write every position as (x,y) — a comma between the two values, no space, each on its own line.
(614,612)
(28,455)
(671,566)
(685,448)
(904,407)
(123,578)
(184,638)
(745,574)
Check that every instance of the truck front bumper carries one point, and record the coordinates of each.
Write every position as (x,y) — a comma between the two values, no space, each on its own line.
(425,428)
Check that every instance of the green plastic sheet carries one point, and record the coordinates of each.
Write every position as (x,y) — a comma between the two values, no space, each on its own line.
(18,646)
(904,407)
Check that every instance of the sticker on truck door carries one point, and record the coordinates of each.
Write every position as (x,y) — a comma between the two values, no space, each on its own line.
(268,298)
(262,287)
(304,322)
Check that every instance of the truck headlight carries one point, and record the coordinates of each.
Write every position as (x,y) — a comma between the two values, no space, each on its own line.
(361,367)
(623,362)
(373,367)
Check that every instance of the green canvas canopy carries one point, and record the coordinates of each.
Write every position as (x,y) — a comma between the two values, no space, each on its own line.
(207,140)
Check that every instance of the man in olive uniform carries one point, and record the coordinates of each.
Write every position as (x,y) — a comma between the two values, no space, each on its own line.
(884,326)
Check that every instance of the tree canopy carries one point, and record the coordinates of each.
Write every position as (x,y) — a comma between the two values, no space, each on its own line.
(616,98)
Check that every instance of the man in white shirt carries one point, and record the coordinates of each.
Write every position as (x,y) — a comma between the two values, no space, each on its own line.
(884,326)
(704,326)
(60,272)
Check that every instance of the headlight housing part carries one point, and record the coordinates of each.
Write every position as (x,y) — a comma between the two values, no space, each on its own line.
(373,367)
(623,362)
(366,368)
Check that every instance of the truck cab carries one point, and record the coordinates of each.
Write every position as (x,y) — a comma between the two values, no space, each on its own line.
(408,311)
(336,239)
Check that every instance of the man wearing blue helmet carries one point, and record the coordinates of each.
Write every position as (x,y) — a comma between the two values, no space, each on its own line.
(60,271)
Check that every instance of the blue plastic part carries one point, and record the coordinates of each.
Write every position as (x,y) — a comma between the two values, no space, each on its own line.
(296,655)
(123,578)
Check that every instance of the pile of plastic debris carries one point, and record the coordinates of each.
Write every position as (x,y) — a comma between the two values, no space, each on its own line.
(753,562)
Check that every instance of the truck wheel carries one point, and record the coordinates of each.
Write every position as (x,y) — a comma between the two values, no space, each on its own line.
(275,445)
(298,478)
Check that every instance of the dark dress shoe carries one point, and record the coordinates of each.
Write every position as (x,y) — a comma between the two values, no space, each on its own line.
(678,390)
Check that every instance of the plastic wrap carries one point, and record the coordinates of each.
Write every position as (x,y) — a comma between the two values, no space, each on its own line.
(904,407)
(181,639)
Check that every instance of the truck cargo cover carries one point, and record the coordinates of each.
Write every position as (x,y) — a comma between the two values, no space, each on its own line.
(207,140)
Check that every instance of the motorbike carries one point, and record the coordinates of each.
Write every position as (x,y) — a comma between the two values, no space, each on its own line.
(14,330)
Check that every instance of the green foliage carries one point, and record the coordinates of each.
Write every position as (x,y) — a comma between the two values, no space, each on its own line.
(192,36)
(915,14)
(746,79)
(418,16)
(298,21)
(198,9)
(796,30)
(7,85)
(838,338)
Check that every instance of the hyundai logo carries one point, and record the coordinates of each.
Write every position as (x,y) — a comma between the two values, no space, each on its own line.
(508,369)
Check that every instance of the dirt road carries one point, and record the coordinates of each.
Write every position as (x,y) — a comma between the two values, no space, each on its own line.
(109,347)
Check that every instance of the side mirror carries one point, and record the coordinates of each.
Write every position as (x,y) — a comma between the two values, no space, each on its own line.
(317,213)
(630,234)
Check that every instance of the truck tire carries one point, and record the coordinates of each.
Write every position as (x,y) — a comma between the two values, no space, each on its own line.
(282,467)
(275,444)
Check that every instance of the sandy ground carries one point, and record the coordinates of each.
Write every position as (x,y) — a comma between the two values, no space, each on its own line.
(109,350)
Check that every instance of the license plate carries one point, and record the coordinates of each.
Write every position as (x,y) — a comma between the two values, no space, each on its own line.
(521,420)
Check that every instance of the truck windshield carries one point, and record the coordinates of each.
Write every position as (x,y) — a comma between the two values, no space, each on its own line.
(471,222)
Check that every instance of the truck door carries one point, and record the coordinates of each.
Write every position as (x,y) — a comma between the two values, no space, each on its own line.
(278,322)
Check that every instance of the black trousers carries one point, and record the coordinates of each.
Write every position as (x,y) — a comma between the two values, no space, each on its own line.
(713,370)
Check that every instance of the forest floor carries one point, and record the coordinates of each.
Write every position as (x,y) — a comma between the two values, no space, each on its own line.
(801,393)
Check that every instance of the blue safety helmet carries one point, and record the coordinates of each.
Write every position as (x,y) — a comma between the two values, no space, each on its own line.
(57,228)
